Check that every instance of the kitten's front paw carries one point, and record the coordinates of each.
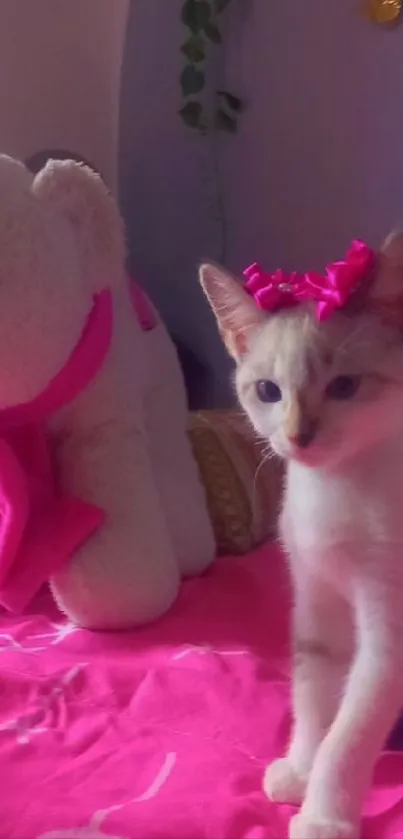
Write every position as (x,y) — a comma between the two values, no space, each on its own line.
(307,827)
(281,783)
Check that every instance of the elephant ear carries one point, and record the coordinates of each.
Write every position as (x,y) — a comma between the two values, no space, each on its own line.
(81,197)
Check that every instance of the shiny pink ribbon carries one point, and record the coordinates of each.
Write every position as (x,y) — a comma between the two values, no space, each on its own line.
(332,291)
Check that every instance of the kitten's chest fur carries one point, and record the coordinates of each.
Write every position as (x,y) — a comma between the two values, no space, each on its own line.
(357,508)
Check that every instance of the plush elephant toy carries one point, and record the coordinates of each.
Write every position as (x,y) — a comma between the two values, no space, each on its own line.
(99,492)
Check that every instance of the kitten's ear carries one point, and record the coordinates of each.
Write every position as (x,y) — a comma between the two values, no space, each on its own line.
(387,288)
(391,264)
(392,247)
(236,313)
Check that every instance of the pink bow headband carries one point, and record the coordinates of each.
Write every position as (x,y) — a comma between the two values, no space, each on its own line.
(332,291)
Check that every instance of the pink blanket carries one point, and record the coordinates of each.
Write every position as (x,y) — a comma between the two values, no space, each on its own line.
(162,733)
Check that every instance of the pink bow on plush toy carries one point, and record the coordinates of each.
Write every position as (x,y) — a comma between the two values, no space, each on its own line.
(40,526)
(332,291)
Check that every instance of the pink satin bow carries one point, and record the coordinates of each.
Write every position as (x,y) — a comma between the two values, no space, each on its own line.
(332,291)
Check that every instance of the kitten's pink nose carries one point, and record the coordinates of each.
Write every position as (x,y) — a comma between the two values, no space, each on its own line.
(303,438)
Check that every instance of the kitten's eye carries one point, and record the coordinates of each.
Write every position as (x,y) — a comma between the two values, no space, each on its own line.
(343,387)
(268,391)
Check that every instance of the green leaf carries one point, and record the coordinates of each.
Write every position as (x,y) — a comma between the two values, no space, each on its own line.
(191,114)
(189,15)
(203,10)
(226,123)
(196,14)
(234,103)
(194,49)
(221,5)
(192,80)
(213,33)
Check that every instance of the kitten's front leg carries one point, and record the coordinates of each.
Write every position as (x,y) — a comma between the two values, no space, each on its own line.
(323,640)
(373,697)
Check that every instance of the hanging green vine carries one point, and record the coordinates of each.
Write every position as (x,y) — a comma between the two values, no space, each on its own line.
(202,20)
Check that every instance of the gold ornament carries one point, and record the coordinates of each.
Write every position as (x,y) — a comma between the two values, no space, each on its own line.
(384,11)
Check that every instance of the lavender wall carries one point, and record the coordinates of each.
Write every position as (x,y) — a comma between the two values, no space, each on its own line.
(318,159)
(59,78)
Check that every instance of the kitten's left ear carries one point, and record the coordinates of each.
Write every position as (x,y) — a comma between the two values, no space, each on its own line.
(236,313)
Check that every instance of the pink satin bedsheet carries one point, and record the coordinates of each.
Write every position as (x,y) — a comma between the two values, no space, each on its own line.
(162,733)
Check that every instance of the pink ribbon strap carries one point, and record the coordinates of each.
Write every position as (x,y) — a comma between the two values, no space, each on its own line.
(332,291)
(40,525)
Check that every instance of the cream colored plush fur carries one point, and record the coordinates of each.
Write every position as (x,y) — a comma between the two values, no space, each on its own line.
(122,443)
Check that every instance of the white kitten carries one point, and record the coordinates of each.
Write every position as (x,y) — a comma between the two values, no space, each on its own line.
(329,398)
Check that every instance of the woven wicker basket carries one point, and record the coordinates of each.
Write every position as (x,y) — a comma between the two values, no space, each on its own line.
(242,486)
